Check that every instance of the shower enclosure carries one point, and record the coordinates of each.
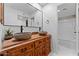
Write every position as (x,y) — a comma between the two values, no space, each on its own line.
(68,29)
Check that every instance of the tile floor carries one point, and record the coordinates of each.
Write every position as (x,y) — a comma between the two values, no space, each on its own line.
(64,51)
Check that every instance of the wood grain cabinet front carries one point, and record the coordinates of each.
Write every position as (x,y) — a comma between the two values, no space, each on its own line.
(1,12)
(46,51)
(38,47)
(22,50)
(38,43)
(42,47)
(38,51)
(29,53)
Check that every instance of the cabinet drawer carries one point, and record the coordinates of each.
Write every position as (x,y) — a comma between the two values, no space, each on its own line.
(18,53)
(28,46)
(26,53)
(29,53)
(13,52)
(19,50)
(38,43)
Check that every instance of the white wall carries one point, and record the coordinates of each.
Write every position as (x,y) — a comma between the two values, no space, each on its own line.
(16,29)
(50,13)
(0,38)
(1,35)
(78,30)
(36,5)
(66,29)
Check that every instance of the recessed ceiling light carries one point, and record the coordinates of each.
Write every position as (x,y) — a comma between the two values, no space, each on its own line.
(58,10)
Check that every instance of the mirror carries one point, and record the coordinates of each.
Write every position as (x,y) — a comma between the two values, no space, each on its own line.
(17,14)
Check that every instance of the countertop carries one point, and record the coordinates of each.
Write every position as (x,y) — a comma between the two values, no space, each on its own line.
(8,44)
(12,42)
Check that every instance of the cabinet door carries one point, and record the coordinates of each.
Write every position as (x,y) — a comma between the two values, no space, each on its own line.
(46,51)
(29,53)
(46,48)
(38,52)
(38,43)
(13,52)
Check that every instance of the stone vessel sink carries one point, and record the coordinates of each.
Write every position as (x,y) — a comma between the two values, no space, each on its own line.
(34,33)
(22,36)
(43,33)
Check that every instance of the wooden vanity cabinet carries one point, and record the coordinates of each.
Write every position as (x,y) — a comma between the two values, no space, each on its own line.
(38,51)
(42,47)
(22,50)
(37,47)
(1,13)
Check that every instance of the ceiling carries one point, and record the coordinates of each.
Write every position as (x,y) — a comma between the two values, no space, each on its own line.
(43,4)
(66,9)
(30,10)
(25,7)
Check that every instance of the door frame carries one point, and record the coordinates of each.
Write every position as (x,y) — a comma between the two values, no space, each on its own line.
(77,22)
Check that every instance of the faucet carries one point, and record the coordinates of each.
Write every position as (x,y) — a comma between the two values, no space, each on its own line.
(21,28)
(39,29)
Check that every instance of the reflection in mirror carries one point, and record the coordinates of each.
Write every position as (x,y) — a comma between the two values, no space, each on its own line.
(24,14)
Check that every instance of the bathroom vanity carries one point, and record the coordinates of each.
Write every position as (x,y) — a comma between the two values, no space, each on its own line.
(36,46)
